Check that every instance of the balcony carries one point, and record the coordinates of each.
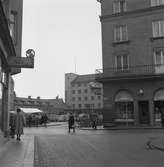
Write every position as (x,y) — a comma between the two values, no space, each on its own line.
(132,72)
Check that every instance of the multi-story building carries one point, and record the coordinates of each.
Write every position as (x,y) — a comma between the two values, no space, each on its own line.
(52,107)
(10,47)
(83,93)
(133,61)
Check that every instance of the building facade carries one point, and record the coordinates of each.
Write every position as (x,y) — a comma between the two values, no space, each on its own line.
(52,107)
(10,46)
(133,61)
(83,93)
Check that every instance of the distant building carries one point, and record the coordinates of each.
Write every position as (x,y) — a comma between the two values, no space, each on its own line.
(133,61)
(83,93)
(52,107)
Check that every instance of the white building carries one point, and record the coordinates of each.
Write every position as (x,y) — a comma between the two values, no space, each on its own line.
(83,92)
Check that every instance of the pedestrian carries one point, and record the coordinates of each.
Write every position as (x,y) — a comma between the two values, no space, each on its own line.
(20,123)
(12,124)
(44,119)
(71,123)
(29,120)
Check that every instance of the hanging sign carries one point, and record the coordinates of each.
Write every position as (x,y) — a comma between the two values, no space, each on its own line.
(23,62)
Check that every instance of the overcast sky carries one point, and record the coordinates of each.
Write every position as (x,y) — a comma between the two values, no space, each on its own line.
(62,33)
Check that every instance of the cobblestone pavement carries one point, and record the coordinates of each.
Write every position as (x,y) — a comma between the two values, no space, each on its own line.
(97,149)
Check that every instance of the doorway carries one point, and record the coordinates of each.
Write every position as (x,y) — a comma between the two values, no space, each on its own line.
(143,107)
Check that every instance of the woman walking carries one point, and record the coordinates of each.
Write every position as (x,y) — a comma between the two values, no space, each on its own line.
(20,123)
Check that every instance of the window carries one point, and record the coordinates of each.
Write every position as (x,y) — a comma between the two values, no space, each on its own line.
(157,2)
(85,91)
(119,6)
(159,57)
(87,105)
(73,105)
(122,62)
(73,91)
(99,97)
(99,105)
(79,98)
(92,98)
(79,105)
(13,26)
(85,98)
(79,91)
(120,33)
(158,28)
(79,84)
(73,98)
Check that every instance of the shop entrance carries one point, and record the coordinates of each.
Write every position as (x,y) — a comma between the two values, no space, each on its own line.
(158,106)
(143,107)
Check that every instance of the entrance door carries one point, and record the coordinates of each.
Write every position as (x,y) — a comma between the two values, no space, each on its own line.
(143,112)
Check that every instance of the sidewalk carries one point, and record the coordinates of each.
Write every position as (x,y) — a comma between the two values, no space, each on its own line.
(17,154)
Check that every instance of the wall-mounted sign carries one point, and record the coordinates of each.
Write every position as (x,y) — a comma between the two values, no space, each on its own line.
(21,62)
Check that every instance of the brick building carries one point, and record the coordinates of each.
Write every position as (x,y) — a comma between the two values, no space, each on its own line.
(83,93)
(133,61)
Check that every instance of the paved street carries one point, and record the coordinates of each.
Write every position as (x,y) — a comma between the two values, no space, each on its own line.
(97,148)
(55,147)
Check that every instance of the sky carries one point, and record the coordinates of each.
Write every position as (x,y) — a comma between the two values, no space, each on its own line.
(66,37)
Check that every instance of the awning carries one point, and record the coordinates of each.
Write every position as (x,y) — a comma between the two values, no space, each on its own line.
(31,110)
(159,95)
(123,96)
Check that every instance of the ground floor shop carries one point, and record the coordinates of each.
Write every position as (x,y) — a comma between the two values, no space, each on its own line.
(134,102)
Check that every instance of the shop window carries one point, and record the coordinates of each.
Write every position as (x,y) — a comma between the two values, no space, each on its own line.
(124,111)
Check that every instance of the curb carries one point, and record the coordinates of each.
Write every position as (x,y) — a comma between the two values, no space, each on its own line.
(139,128)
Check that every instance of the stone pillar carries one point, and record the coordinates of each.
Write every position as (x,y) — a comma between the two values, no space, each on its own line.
(136,113)
(6,104)
(151,113)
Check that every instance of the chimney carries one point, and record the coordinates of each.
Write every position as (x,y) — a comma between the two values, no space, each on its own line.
(29,97)
(38,97)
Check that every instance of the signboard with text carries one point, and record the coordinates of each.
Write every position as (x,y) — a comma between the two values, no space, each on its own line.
(21,62)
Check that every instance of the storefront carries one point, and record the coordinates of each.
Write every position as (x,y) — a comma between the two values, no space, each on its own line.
(124,108)
(158,105)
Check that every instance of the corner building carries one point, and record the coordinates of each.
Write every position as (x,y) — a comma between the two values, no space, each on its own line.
(133,61)
(10,47)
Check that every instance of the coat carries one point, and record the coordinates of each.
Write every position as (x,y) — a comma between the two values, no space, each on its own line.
(71,121)
(20,122)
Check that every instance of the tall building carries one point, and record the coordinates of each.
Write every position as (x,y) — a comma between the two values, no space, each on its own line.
(83,93)
(133,61)
(10,47)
